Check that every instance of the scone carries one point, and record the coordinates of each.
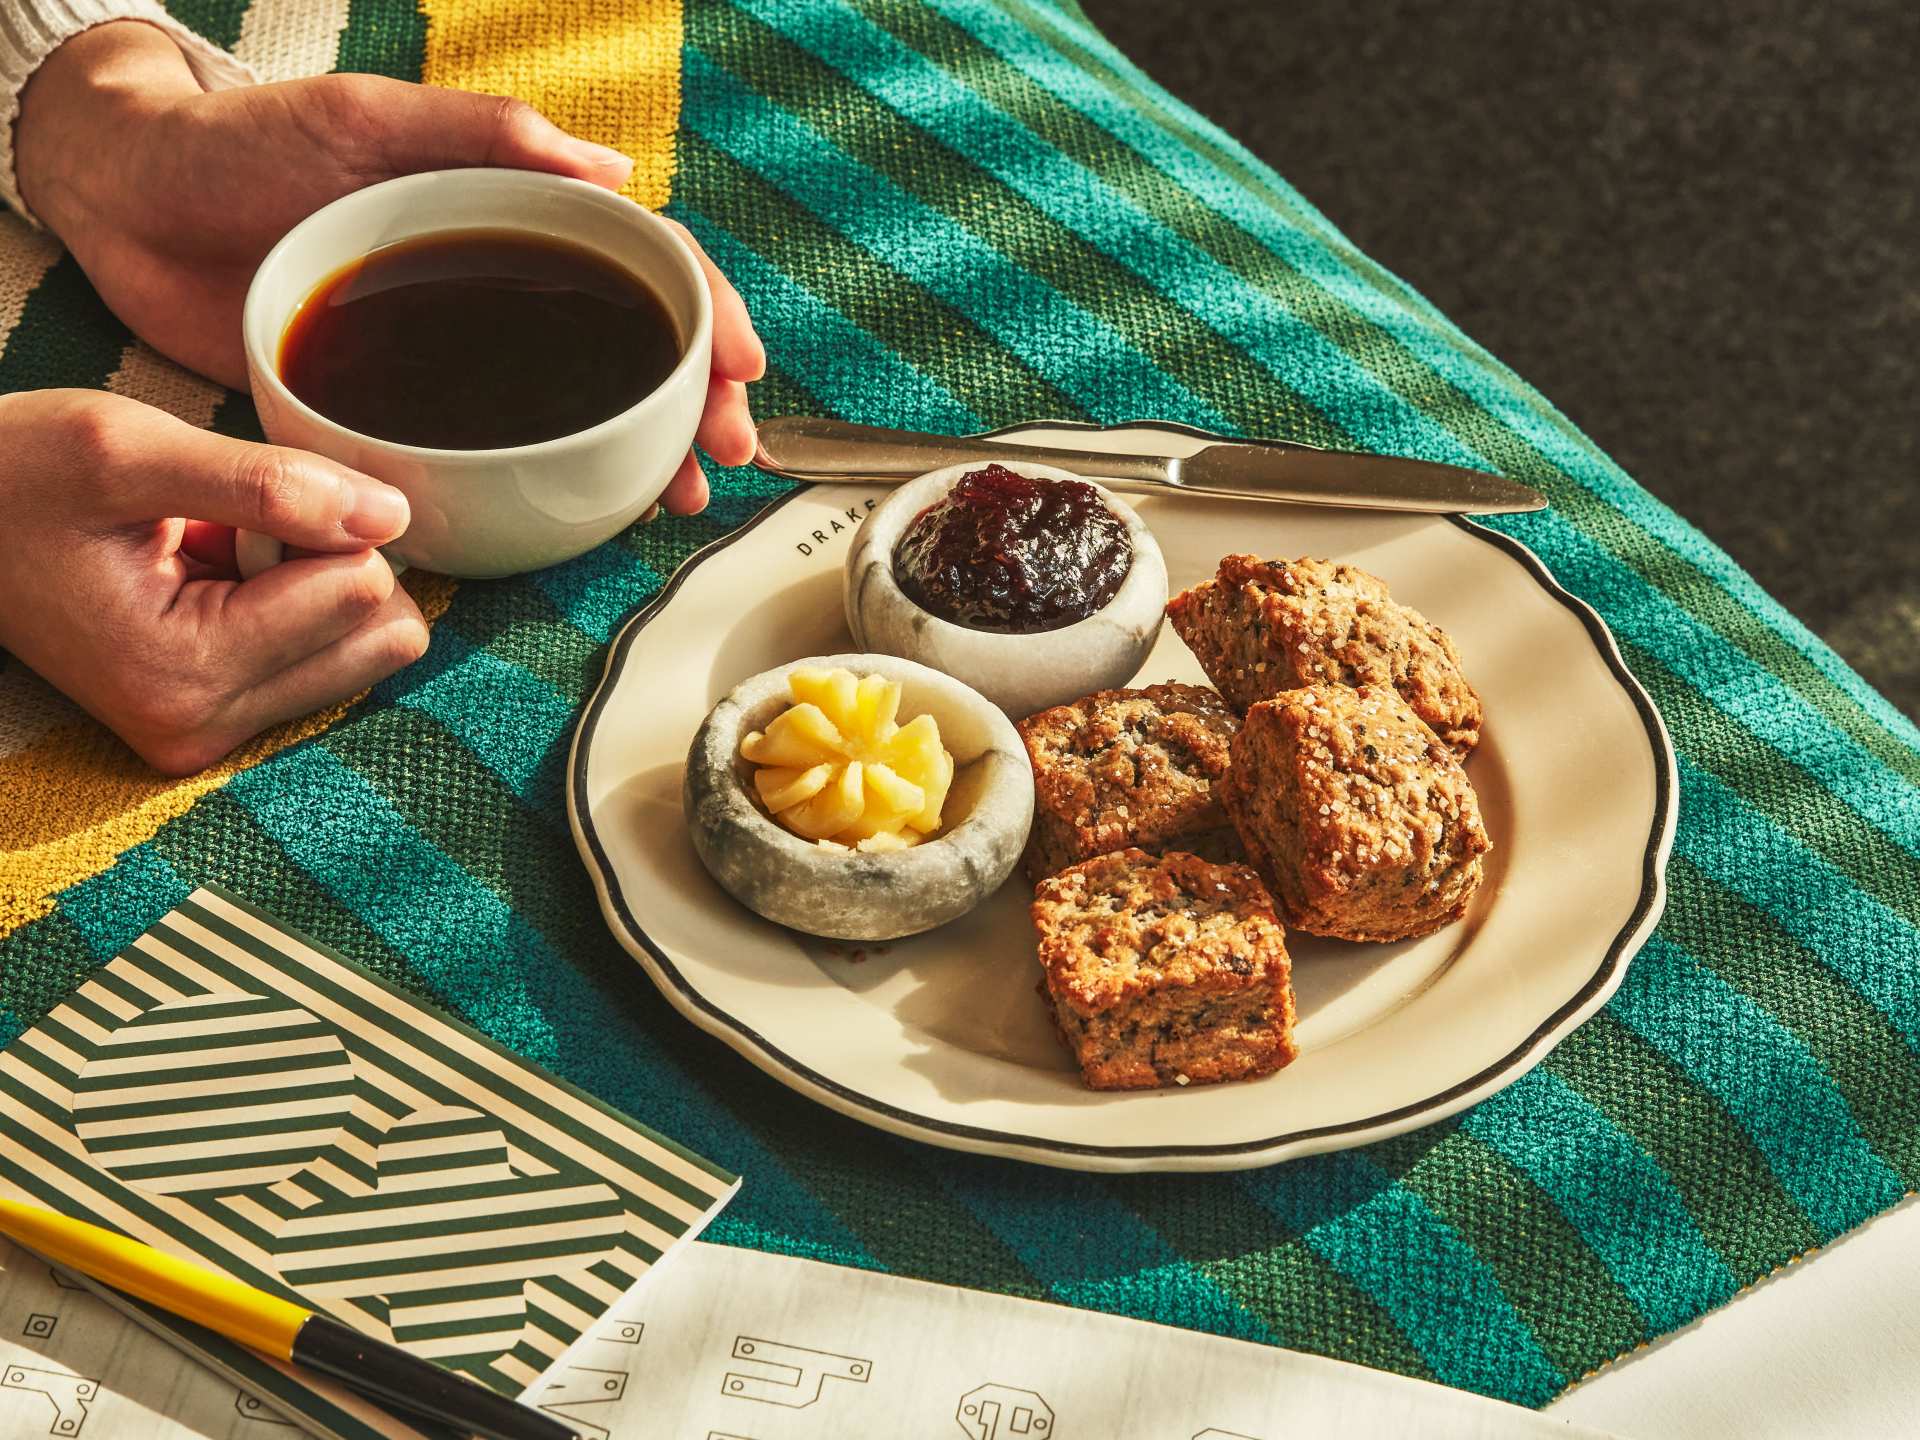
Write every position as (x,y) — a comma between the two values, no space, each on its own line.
(1363,825)
(1263,626)
(1164,970)
(1128,767)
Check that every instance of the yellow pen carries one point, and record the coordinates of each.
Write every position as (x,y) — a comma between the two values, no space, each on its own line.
(277,1328)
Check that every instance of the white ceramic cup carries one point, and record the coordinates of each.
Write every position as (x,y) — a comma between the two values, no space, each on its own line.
(482,513)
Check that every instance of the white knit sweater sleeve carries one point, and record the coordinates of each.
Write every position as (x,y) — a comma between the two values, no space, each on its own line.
(31,30)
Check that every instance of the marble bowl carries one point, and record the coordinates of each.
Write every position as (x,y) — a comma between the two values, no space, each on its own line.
(846,894)
(1019,673)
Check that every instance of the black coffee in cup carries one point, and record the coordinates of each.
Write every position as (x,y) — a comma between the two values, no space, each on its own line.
(478,340)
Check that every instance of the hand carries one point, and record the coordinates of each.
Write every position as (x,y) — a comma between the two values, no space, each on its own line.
(134,611)
(169,197)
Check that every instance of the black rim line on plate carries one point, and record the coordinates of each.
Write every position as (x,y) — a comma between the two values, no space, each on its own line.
(1612,962)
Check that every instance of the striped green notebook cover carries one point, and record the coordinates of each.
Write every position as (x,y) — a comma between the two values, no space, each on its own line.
(229,1091)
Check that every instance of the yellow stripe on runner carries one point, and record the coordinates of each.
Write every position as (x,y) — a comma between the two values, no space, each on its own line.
(606,70)
(26,254)
(74,799)
(152,379)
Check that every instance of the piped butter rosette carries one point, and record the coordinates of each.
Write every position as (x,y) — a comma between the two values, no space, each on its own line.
(812,804)
(837,766)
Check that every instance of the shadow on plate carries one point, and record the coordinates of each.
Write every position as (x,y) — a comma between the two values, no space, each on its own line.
(779,627)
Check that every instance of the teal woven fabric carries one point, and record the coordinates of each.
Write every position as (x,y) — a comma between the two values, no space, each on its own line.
(964,214)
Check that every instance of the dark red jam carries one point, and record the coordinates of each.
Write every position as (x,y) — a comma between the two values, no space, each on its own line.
(1013,554)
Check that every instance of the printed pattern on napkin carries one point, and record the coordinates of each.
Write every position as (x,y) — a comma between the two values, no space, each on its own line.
(230,1092)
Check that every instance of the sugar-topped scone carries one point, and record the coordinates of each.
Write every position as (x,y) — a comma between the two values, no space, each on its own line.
(1128,767)
(1363,824)
(1164,970)
(1263,626)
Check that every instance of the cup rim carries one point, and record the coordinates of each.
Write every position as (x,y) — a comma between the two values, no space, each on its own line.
(265,367)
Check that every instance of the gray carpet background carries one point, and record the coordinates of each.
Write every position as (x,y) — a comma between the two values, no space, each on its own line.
(1693,226)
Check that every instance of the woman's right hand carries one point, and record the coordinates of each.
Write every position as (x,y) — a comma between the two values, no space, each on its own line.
(117,582)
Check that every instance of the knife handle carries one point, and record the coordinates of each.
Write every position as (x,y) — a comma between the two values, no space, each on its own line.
(811,447)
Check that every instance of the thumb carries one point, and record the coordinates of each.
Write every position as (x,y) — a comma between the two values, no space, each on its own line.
(292,495)
(427,128)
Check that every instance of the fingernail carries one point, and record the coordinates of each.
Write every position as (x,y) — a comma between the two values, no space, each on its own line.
(600,156)
(377,512)
(652,514)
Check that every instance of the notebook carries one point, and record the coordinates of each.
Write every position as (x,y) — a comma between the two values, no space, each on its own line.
(232,1092)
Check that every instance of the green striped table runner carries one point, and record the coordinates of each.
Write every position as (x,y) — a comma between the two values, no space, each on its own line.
(961,214)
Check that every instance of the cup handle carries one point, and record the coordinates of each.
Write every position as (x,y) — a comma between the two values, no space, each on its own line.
(254,552)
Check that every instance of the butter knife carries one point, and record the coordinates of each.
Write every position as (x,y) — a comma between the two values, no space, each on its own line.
(814,448)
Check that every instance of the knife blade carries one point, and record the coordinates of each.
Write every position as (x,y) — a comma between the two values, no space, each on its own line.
(818,449)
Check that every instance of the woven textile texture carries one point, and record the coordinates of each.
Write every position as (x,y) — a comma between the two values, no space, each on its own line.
(961,214)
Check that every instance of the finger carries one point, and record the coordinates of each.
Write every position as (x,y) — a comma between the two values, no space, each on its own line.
(726,425)
(298,608)
(737,351)
(154,466)
(427,128)
(686,493)
(393,637)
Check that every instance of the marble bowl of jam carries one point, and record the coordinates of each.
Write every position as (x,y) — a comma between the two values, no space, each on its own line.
(1029,584)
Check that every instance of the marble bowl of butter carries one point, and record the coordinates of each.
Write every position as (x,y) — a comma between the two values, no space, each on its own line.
(1032,585)
(858,797)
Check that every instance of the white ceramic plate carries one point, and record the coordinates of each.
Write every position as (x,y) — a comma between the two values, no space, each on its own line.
(941,1037)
